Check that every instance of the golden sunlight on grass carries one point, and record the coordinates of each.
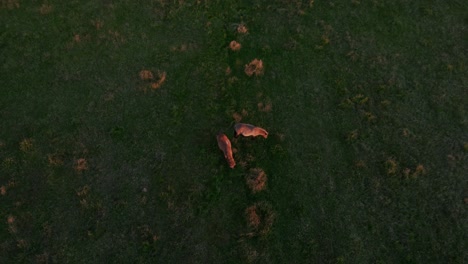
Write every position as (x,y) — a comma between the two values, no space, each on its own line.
(235,46)
(255,67)
(256,180)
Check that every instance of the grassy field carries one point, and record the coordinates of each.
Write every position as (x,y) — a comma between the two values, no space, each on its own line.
(365,103)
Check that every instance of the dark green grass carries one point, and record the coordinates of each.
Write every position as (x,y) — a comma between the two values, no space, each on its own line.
(355,86)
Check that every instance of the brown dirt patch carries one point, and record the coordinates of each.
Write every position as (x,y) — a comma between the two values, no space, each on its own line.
(160,81)
(256,180)
(146,75)
(255,67)
(81,165)
(11,219)
(242,29)
(155,80)
(252,217)
(235,46)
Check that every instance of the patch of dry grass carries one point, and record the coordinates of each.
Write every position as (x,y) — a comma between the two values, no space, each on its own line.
(81,165)
(26,145)
(12,227)
(55,159)
(392,166)
(255,67)
(238,116)
(465,146)
(146,75)
(46,9)
(260,218)
(161,79)
(419,171)
(155,80)
(242,29)
(235,46)
(9,4)
(265,107)
(256,180)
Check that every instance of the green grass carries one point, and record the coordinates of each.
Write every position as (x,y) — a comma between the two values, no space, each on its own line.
(366,156)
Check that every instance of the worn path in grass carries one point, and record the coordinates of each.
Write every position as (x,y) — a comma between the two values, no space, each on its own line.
(365,103)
